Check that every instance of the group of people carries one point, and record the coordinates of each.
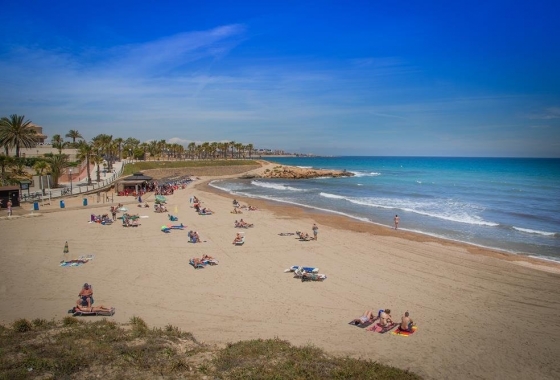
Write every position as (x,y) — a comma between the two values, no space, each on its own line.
(206,259)
(85,301)
(194,237)
(242,224)
(160,207)
(385,320)
(306,237)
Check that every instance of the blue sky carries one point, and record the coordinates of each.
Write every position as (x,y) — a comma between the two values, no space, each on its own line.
(429,78)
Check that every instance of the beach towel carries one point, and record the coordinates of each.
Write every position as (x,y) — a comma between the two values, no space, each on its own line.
(76,262)
(205,213)
(361,325)
(300,268)
(197,266)
(286,234)
(79,313)
(380,329)
(210,262)
(312,277)
(400,332)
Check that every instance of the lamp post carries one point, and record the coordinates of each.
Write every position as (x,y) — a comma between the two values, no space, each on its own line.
(70,171)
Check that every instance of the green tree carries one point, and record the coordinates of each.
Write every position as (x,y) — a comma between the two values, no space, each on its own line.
(40,167)
(15,132)
(85,152)
(73,134)
(57,163)
(58,143)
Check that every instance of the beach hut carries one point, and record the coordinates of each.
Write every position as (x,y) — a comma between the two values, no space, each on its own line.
(131,184)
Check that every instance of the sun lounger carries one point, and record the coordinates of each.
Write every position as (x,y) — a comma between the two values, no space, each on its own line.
(241,242)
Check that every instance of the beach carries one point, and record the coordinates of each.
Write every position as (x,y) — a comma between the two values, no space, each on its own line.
(480,313)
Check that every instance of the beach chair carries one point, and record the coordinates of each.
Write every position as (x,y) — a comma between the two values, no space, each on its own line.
(241,242)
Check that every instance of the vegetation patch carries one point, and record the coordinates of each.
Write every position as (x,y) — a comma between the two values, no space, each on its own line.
(75,348)
(149,165)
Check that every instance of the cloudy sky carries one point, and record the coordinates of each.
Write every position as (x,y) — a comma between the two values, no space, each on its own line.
(429,78)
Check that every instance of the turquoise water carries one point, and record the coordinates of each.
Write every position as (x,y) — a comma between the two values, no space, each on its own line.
(512,204)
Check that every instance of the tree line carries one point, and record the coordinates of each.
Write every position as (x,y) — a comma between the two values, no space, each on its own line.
(16,133)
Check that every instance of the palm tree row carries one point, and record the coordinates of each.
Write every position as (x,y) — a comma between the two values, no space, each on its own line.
(17,133)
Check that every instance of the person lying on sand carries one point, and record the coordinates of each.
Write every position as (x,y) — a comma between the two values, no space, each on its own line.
(385,319)
(206,211)
(206,257)
(92,309)
(406,322)
(368,316)
(197,262)
(236,211)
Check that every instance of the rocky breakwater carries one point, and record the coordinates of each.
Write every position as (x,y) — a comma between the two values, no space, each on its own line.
(292,172)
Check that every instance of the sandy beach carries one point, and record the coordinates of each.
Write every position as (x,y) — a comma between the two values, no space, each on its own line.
(481,314)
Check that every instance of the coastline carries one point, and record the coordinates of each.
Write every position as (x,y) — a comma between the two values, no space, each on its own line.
(353,224)
(479,316)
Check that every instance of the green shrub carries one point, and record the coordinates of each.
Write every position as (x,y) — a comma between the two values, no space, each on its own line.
(22,325)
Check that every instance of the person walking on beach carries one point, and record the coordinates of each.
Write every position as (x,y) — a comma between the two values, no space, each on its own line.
(315,231)
(396,221)
(9,205)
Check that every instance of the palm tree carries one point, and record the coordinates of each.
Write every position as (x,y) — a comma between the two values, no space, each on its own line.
(119,144)
(102,146)
(57,162)
(74,134)
(40,167)
(191,147)
(58,142)
(232,146)
(250,150)
(15,132)
(85,152)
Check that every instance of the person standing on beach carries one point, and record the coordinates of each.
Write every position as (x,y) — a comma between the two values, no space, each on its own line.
(9,205)
(315,231)
(396,221)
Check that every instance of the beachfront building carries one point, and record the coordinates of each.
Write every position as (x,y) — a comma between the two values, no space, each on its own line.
(132,184)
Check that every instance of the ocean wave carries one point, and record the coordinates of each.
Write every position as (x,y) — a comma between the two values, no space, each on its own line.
(537,232)
(332,196)
(364,174)
(446,210)
(275,186)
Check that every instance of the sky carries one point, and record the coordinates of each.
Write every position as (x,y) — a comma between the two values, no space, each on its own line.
(377,78)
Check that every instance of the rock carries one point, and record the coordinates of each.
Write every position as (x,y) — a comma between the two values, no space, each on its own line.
(292,172)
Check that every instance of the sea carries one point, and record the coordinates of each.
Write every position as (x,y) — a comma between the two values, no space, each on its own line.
(509,204)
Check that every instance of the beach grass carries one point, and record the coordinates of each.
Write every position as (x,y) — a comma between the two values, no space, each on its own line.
(75,347)
(149,165)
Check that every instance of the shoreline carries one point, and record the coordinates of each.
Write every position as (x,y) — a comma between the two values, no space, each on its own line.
(353,224)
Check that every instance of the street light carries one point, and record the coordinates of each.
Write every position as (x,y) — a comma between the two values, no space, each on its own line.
(70,170)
